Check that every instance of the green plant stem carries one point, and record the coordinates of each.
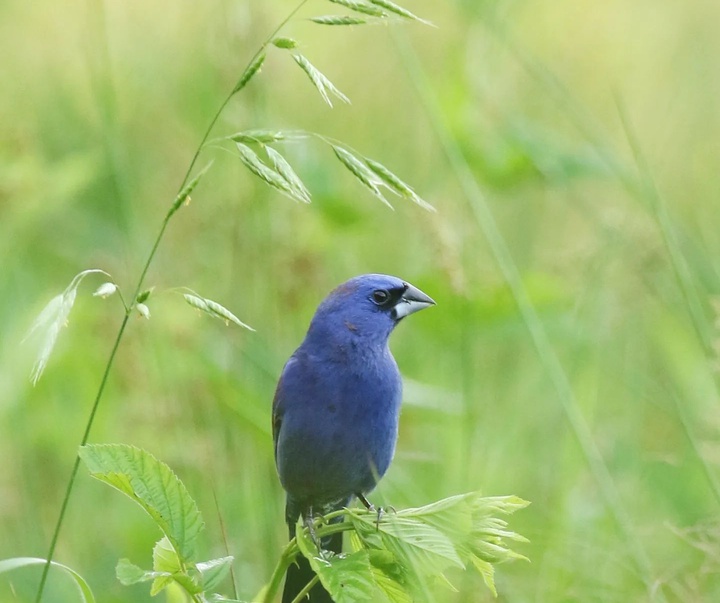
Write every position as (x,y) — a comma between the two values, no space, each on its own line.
(301,595)
(76,465)
(129,308)
(286,558)
(291,551)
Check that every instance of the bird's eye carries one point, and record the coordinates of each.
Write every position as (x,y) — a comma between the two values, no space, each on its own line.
(380,296)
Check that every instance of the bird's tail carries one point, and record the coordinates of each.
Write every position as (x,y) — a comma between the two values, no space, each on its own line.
(299,574)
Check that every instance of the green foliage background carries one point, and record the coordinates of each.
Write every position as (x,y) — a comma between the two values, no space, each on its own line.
(102,105)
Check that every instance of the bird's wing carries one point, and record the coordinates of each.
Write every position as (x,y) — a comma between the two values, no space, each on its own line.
(278,407)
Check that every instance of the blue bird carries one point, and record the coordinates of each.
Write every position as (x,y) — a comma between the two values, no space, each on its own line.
(336,407)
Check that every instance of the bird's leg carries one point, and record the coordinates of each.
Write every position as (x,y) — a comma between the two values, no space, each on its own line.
(370,507)
(309,521)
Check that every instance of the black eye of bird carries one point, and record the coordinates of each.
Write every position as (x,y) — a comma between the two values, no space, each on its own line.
(380,296)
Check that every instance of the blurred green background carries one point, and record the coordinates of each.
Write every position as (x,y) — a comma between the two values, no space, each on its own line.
(569,114)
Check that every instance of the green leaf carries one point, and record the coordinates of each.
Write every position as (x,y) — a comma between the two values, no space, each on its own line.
(398,10)
(266,173)
(324,86)
(361,172)
(487,571)
(391,589)
(128,573)
(86,594)
(283,168)
(390,180)
(415,543)
(347,577)
(52,318)
(251,70)
(338,20)
(165,559)
(213,572)
(361,7)
(214,309)
(184,195)
(152,485)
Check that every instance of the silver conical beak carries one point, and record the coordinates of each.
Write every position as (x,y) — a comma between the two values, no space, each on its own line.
(413,300)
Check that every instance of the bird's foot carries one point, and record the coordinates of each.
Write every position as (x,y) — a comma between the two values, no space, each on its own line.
(370,507)
(309,521)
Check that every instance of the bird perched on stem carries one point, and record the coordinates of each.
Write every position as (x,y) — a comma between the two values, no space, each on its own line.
(336,407)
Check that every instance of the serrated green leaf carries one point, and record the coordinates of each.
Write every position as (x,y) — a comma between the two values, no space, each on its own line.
(251,70)
(258,136)
(165,558)
(366,177)
(265,172)
(338,20)
(414,543)
(398,10)
(85,592)
(52,318)
(214,309)
(395,184)
(152,485)
(128,573)
(347,577)
(213,572)
(391,590)
(184,194)
(361,7)
(284,43)
(487,571)
(323,85)
(159,584)
(283,168)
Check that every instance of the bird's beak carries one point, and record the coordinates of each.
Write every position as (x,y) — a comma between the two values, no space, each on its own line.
(411,301)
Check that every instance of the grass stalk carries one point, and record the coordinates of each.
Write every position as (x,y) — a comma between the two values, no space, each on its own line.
(76,464)
(128,311)
(548,358)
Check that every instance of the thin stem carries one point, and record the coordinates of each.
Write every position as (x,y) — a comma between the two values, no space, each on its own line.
(263,46)
(76,465)
(128,311)
(301,595)
(286,558)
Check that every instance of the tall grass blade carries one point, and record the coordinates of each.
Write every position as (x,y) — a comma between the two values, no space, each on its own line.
(86,594)
(486,221)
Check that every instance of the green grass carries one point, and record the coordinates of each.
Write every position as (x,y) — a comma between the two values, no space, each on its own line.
(569,150)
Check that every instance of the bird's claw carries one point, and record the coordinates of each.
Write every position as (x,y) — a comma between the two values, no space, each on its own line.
(380,510)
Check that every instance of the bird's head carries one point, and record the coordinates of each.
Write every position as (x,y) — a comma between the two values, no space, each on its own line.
(367,307)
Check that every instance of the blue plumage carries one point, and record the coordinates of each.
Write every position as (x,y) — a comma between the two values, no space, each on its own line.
(337,404)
